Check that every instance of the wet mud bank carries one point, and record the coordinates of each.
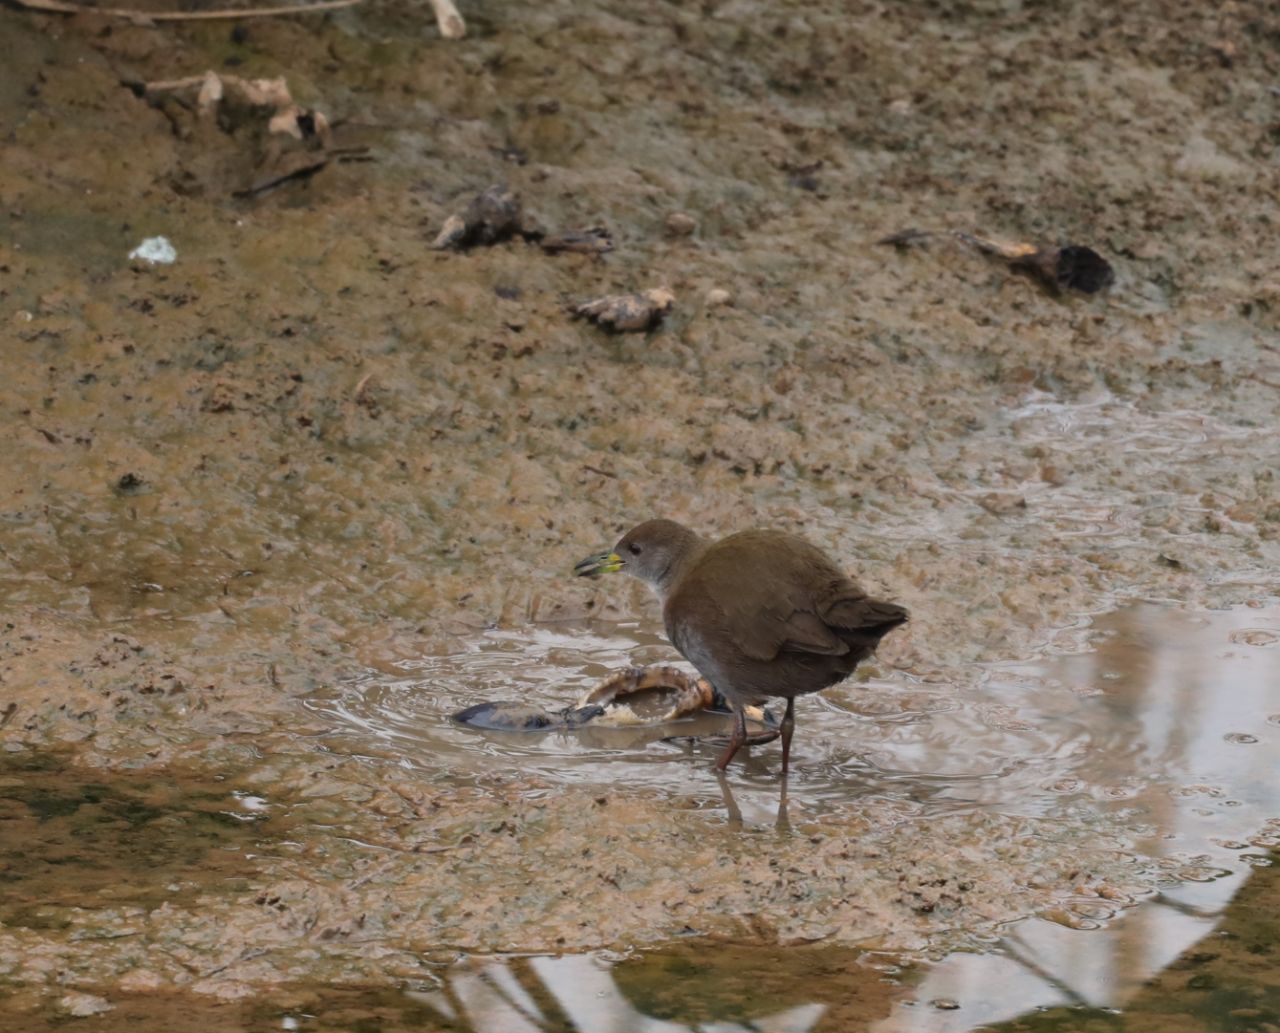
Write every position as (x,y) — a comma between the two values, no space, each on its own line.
(267,513)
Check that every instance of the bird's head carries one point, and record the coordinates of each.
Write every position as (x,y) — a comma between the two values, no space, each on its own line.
(651,552)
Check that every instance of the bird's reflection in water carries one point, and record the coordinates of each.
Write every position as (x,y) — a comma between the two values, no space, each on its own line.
(782,821)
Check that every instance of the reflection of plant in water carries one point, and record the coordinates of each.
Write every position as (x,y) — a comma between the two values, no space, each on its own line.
(1227,979)
(731,986)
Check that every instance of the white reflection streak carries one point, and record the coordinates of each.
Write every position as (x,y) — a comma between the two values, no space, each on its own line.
(505,980)
(799,1019)
(1046,965)
(990,988)
(585,989)
(488,1008)
(1105,968)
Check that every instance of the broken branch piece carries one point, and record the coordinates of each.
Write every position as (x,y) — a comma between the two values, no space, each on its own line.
(288,117)
(1071,267)
(139,17)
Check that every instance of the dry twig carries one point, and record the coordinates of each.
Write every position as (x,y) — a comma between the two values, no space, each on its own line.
(148,17)
(447,17)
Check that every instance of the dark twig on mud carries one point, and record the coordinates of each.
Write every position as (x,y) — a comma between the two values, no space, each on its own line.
(223,14)
(248,954)
(308,165)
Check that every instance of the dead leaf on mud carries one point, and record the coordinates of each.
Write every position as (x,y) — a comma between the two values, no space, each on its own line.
(493,216)
(1070,267)
(498,214)
(627,313)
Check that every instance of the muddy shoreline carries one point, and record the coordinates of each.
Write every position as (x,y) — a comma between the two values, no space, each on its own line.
(313,448)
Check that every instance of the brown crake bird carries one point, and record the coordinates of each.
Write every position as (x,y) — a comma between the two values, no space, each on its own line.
(759,613)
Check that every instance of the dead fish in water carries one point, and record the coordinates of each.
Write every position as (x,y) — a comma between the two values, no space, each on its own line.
(627,313)
(649,695)
(1071,267)
(637,697)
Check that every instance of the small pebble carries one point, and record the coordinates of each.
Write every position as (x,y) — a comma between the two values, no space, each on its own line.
(680,224)
(141,980)
(945,1004)
(718,296)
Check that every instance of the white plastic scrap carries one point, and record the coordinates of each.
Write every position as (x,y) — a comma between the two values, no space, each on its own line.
(156,250)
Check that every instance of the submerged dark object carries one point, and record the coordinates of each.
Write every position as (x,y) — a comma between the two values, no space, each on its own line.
(759,613)
(494,216)
(510,716)
(636,697)
(626,313)
(1071,267)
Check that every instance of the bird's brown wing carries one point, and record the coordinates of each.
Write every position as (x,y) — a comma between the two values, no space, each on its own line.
(805,632)
(854,610)
(772,599)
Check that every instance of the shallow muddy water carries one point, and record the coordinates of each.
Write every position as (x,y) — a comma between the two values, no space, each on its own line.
(1167,719)
(129,843)
(1160,726)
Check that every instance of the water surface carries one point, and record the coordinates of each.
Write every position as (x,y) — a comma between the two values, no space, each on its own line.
(1166,718)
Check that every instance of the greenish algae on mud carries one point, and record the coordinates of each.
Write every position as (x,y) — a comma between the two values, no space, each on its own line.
(314,447)
(129,842)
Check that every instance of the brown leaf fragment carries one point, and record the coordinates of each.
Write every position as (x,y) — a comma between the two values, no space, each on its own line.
(595,240)
(1001,504)
(210,93)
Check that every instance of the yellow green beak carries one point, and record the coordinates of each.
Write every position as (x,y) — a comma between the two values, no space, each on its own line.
(600,563)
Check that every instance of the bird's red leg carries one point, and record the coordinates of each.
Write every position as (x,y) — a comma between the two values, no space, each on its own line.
(739,737)
(788,726)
